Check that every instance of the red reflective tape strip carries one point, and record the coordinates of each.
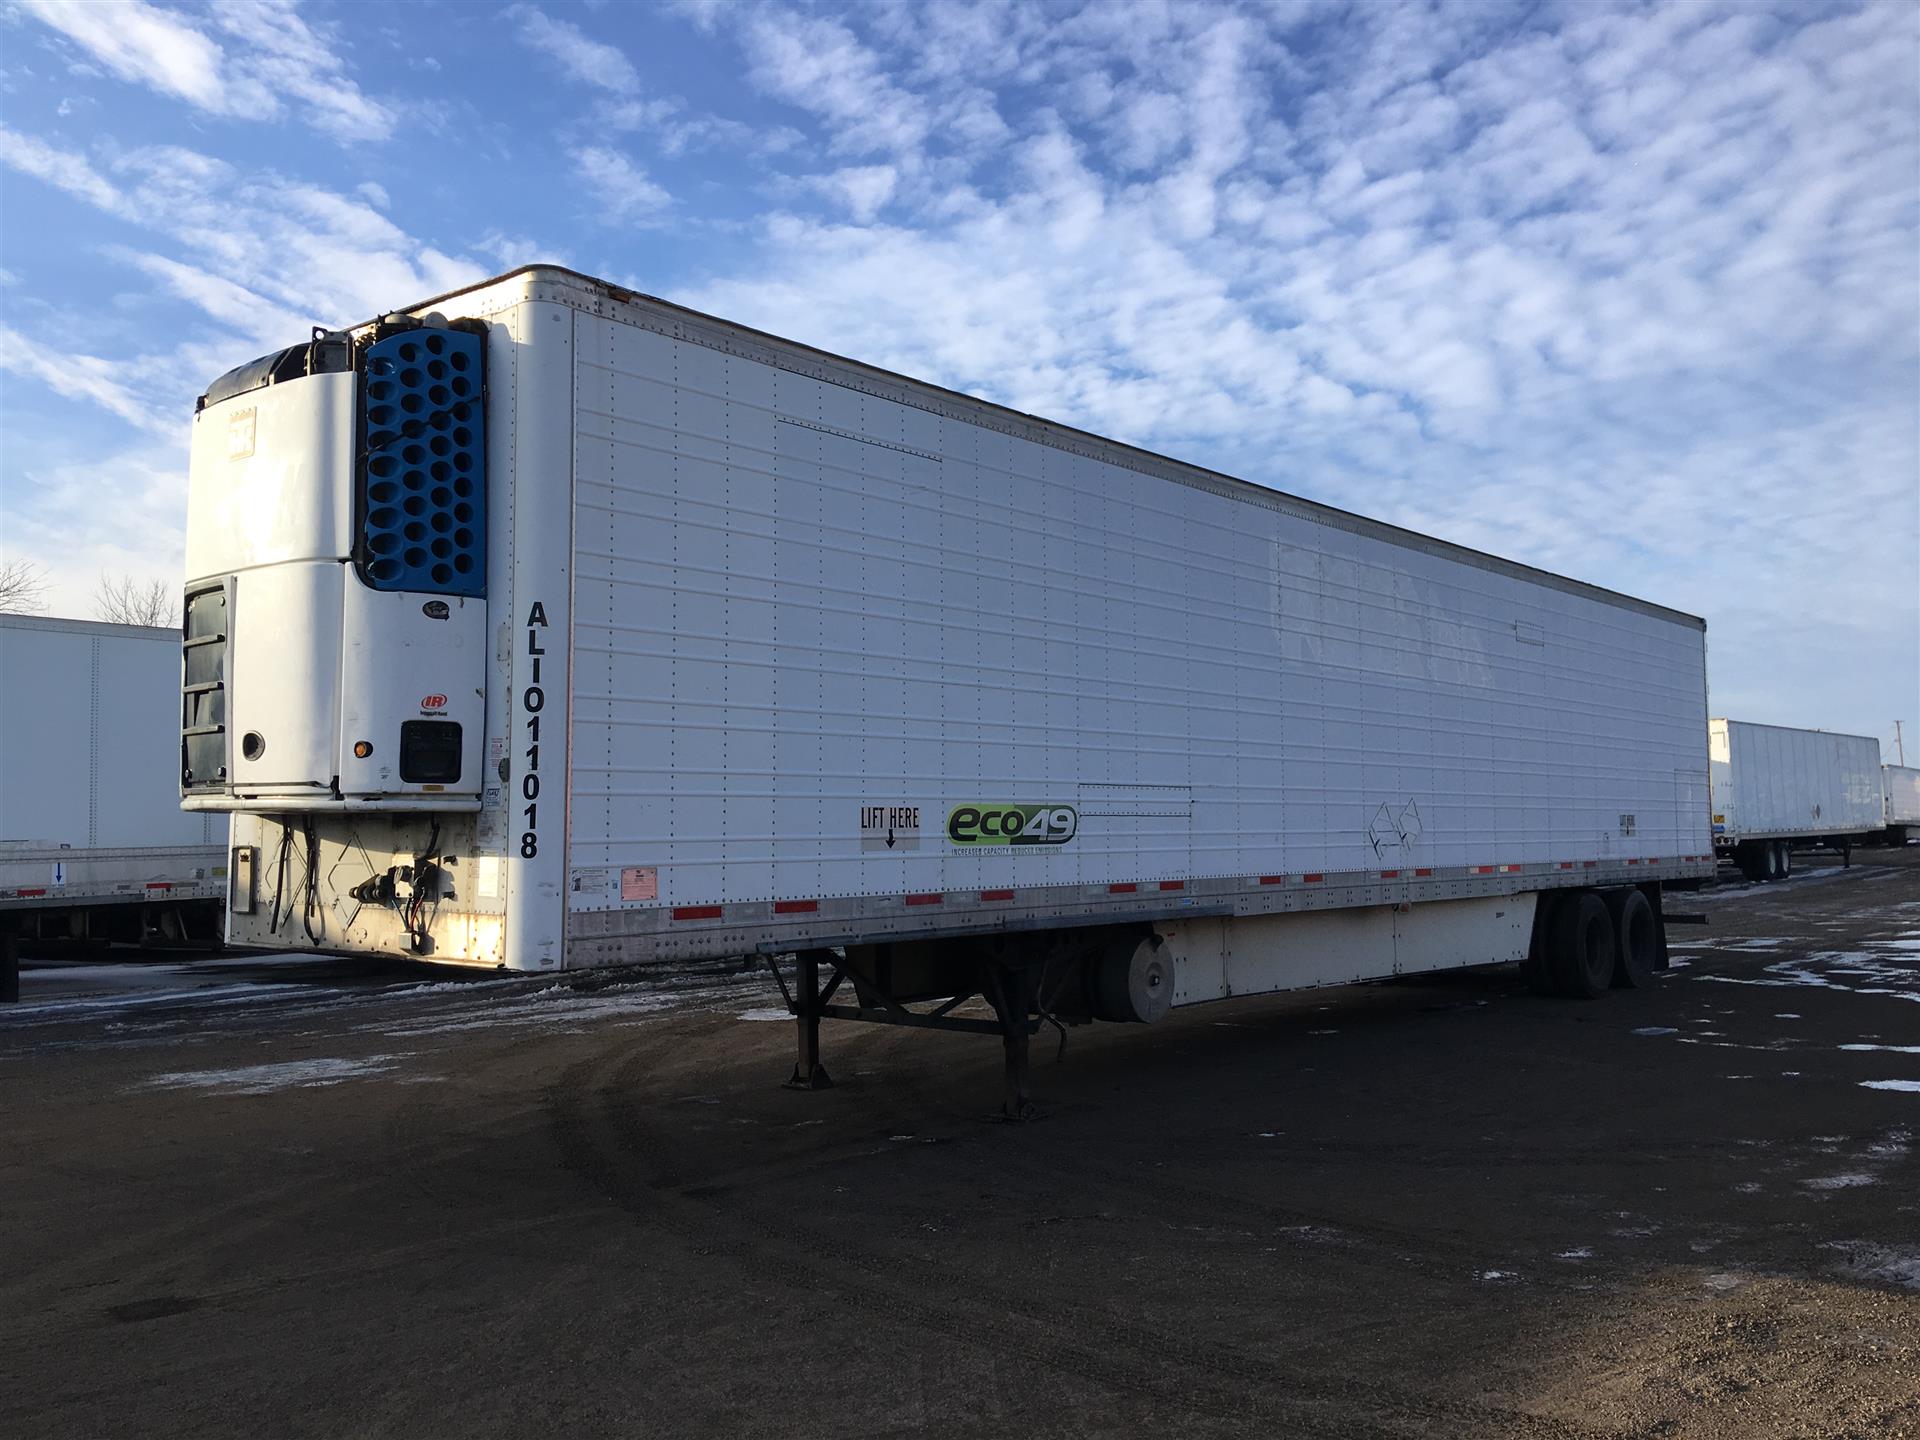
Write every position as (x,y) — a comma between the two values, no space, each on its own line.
(1273,879)
(795,907)
(1566,864)
(1423,872)
(698,912)
(1483,869)
(159,885)
(1173,884)
(1121,889)
(996,894)
(1389,874)
(925,899)
(29,894)
(1311,879)
(1633,862)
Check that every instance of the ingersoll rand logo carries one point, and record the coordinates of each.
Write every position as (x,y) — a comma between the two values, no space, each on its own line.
(433,702)
(1012,824)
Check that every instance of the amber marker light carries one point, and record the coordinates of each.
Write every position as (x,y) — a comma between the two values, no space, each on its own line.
(362,749)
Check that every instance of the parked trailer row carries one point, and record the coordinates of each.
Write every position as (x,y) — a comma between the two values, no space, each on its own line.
(550,625)
(1775,788)
(1900,802)
(93,843)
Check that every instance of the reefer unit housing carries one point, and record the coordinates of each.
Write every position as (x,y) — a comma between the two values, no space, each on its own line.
(761,649)
(93,842)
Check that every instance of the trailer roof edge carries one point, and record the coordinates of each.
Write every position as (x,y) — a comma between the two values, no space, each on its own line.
(1132,457)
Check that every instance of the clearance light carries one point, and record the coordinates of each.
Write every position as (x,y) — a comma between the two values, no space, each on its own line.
(361,749)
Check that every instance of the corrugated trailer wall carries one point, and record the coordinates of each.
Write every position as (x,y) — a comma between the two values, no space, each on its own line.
(1786,781)
(795,602)
(1900,788)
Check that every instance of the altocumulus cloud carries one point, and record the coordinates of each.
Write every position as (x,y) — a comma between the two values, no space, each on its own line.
(1630,292)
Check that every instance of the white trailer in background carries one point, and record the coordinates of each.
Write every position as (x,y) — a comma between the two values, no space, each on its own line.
(1899,801)
(1775,787)
(93,843)
(549,625)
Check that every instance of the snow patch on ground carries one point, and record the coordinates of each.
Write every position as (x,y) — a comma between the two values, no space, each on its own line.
(1896,1049)
(1912,1085)
(771,1013)
(1654,1030)
(266,1079)
(1848,1181)
(1894,1265)
(208,995)
(1858,972)
(555,1005)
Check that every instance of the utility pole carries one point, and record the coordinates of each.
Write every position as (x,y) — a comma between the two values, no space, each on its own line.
(1899,744)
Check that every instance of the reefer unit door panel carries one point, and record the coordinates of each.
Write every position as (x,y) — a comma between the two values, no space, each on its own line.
(796,604)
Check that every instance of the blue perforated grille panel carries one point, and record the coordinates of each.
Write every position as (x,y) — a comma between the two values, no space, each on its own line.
(425,510)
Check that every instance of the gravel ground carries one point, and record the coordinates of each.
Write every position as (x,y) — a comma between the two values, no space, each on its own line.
(342,1204)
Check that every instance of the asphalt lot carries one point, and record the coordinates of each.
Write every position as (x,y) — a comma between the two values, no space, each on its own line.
(313,1202)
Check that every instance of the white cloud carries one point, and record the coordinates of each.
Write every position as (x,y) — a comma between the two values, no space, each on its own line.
(286,56)
(590,61)
(619,189)
(123,513)
(261,256)
(676,128)
(144,44)
(1624,298)
(862,189)
(81,377)
(59,168)
(822,66)
(264,323)
(278,57)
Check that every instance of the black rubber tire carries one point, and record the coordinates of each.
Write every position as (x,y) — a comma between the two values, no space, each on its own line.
(1785,870)
(1769,861)
(1751,857)
(1580,946)
(1636,938)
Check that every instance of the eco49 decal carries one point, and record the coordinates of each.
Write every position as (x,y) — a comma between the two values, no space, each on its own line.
(1012,824)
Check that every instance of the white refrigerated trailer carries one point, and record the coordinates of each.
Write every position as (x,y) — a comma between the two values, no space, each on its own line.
(1899,802)
(547,624)
(93,843)
(1775,787)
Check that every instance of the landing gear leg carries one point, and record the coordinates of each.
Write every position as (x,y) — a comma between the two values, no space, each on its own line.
(808,1072)
(1010,991)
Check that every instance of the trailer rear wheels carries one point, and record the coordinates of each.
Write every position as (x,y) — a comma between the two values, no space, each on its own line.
(1636,938)
(1580,947)
(1764,860)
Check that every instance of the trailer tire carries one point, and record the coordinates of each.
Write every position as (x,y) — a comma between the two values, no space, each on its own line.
(1581,947)
(1636,939)
(1751,857)
(1785,872)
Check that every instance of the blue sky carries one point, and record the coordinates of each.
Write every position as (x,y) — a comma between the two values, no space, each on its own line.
(1631,293)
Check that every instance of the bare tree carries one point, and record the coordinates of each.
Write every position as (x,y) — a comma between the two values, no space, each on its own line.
(128,601)
(23,588)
